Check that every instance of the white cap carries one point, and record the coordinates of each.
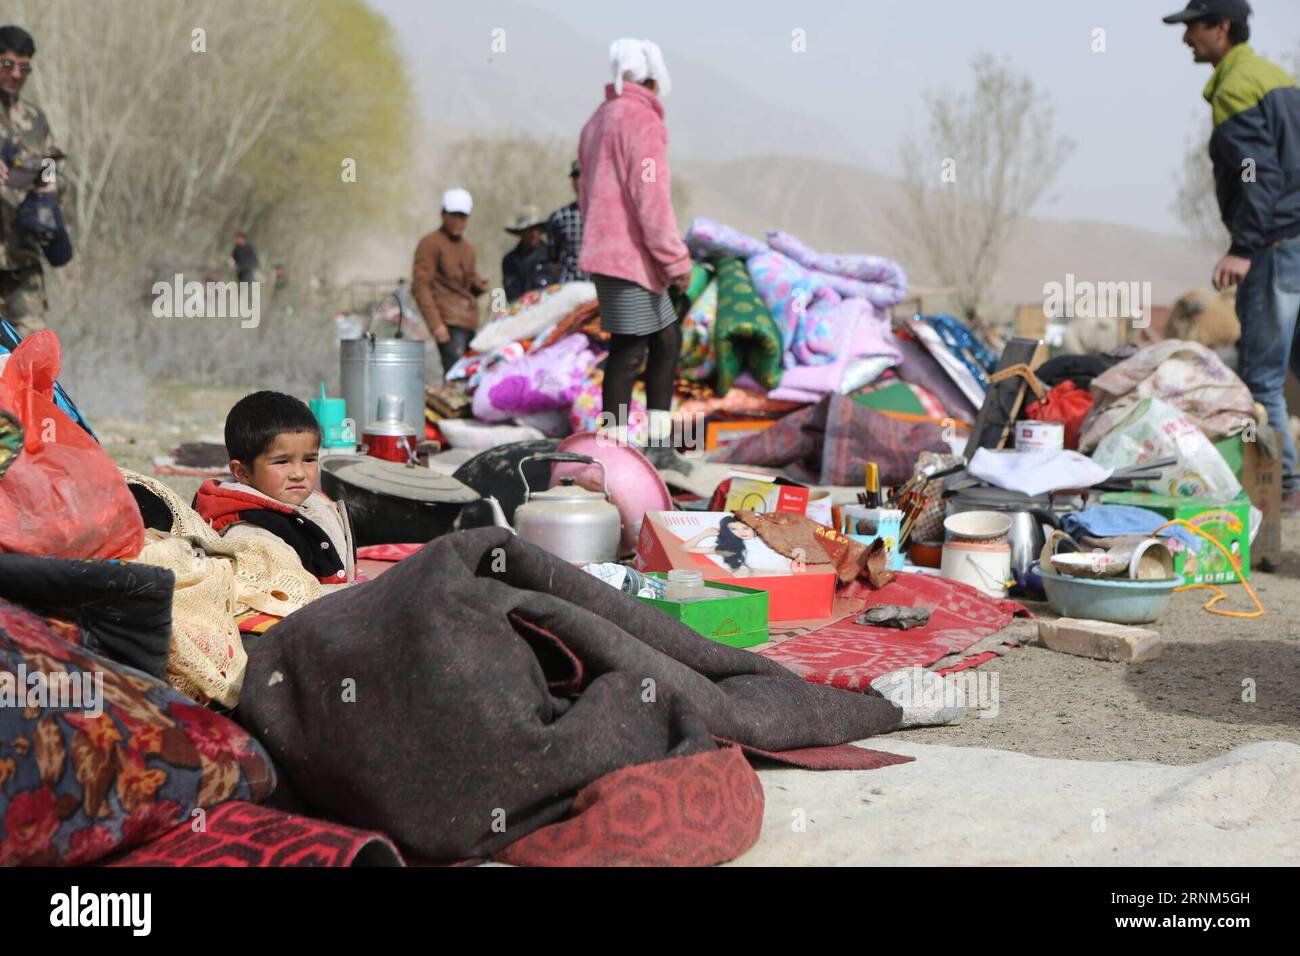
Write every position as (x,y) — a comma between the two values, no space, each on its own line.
(457,200)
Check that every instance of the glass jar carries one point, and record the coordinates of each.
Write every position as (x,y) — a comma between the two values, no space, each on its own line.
(684,585)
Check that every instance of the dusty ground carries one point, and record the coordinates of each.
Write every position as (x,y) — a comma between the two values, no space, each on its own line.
(1182,708)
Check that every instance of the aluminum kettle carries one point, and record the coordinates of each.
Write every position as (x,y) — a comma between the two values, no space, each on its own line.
(571,522)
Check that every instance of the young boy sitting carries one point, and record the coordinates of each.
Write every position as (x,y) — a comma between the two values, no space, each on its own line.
(274,445)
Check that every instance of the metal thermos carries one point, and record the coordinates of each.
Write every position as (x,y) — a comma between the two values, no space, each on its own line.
(390,437)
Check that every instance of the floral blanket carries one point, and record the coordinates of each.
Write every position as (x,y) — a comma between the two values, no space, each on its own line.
(544,381)
(1187,375)
(803,289)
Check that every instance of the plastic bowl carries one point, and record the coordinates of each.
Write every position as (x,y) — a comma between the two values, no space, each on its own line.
(978,525)
(1117,600)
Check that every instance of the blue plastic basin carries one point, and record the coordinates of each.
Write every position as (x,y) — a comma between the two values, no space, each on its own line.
(1117,600)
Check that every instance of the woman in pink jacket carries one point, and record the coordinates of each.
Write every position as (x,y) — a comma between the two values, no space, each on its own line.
(630,242)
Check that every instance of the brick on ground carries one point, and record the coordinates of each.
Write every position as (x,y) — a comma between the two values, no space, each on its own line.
(1100,639)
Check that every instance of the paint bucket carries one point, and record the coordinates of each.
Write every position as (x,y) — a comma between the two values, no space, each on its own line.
(983,565)
(1040,436)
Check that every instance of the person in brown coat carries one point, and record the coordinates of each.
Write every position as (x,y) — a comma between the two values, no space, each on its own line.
(445,282)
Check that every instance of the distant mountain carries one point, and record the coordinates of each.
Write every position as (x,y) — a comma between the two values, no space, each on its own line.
(791,171)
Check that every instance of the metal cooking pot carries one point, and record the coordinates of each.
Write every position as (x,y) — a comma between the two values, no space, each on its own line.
(572,523)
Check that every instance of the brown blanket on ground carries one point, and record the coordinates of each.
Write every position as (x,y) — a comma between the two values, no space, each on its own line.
(461,700)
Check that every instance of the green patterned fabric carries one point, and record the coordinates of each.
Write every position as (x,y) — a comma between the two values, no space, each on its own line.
(11,440)
(700,277)
(744,333)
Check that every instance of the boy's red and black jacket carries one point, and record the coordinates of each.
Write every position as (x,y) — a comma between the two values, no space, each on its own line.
(222,507)
(1255,149)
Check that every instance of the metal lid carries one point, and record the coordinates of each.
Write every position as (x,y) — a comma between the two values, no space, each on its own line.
(389,427)
(567,491)
(400,481)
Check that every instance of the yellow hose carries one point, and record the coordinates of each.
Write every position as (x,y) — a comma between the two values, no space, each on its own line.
(1219,594)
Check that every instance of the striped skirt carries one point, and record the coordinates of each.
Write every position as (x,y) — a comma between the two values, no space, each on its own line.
(630,309)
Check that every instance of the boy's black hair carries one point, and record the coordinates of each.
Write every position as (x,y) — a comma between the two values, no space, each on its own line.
(16,40)
(256,419)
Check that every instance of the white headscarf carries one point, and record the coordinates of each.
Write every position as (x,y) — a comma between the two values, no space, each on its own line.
(638,61)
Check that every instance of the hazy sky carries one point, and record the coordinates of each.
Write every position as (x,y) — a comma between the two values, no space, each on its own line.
(1131,110)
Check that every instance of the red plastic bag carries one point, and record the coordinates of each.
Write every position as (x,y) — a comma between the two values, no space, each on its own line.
(62,496)
(1066,404)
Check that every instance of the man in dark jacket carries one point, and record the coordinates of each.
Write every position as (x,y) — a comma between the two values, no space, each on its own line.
(528,265)
(1255,148)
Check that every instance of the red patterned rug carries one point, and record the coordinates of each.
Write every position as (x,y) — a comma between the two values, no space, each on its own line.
(684,811)
(851,655)
(245,834)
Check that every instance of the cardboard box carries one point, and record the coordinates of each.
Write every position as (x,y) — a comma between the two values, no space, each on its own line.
(765,497)
(737,621)
(1228,521)
(1260,474)
(769,494)
(690,539)
(723,432)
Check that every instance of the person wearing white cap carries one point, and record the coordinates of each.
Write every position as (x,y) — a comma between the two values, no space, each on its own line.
(445,281)
(631,245)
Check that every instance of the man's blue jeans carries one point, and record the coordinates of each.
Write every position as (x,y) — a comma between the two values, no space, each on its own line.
(1268,303)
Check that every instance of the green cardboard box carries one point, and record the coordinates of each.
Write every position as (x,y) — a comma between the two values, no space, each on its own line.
(739,621)
(1228,521)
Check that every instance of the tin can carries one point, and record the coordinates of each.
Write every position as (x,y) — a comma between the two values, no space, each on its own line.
(1040,436)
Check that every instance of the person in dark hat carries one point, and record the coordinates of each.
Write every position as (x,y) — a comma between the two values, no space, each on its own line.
(528,265)
(564,229)
(1255,148)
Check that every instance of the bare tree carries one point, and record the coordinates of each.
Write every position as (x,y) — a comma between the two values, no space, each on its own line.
(184,121)
(1195,204)
(988,157)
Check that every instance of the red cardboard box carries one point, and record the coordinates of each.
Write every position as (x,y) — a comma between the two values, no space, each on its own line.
(765,497)
(699,540)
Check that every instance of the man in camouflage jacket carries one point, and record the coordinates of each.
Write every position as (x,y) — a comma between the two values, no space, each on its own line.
(26,142)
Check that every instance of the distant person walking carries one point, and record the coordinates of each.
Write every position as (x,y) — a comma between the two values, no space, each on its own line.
(528,265)
(445,281)
(564,232)
(1255,148)
(243,259)
(630,241)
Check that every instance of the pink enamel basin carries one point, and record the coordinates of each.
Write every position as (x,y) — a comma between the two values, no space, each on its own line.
(634,485)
